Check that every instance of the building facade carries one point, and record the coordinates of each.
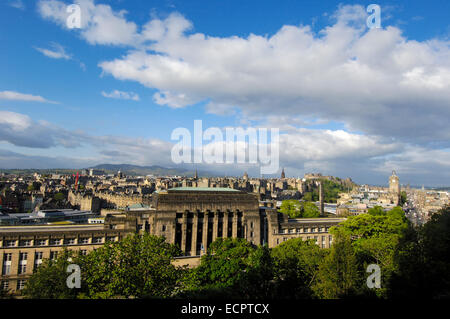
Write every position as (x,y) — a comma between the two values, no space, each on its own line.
(23,248)
(191,218)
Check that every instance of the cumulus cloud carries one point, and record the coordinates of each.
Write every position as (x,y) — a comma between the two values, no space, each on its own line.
(99,23)
(16,96)
(375,81)
(393,90)
(121,95)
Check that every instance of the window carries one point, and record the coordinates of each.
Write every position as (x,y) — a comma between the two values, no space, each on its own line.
(21,284)
(69,241)
(53,255)
(111,238)
(251,224)
(23,256)
(22,268)
(5,284)
(25,242)
(163,228)
(10,243)
(330,239)
(97,240)
(6,269)
(251,234)
(38,259)
(55,241)
(84,240)
(83,252)
(305,230)
(41,242)
(298,230)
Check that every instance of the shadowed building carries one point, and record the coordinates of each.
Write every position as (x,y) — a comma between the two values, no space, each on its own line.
(193,218)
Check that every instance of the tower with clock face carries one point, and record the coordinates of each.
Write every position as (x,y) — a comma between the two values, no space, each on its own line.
(394,184)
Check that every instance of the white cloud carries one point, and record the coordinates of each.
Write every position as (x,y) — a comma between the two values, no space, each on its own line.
(99,23)
(392,89)
(374,81)
(18,4)
(57,51)
(121,95)
(11,95)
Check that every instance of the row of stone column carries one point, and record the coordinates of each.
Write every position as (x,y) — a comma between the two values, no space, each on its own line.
(205,225)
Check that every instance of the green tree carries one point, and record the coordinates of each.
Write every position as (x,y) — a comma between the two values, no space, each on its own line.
(49,280)
(310,210)
(376,211)
(295,209)
(296,263)
(138,266)
(338,275)
(424,260)
(258,280)
(232,268)
(403,198)
(291,207)
(376,237)
(225,263)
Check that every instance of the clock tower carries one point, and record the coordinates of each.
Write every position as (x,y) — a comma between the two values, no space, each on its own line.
(394,184)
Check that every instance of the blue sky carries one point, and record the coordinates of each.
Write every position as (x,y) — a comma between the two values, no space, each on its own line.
(327,126)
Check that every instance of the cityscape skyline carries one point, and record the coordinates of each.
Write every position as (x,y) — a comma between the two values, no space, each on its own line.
(349,101)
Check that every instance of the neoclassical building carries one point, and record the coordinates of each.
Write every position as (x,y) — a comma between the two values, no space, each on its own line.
(189,217)
(193,217)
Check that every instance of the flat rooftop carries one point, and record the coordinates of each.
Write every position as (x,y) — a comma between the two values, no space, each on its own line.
(52,228)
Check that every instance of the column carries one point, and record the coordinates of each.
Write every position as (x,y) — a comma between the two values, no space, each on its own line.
(234,225)
(184,232)
(215,225)
(205,232)
(194,234)
(225,225)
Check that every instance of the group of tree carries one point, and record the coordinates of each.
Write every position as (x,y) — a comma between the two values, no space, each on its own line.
(296,209)
(331,190)
(413,263)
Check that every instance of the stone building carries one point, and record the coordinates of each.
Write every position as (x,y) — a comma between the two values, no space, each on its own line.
(22,248)
(84,201)
(191,218)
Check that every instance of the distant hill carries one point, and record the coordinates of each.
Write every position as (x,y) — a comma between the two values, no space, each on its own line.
(129,169)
